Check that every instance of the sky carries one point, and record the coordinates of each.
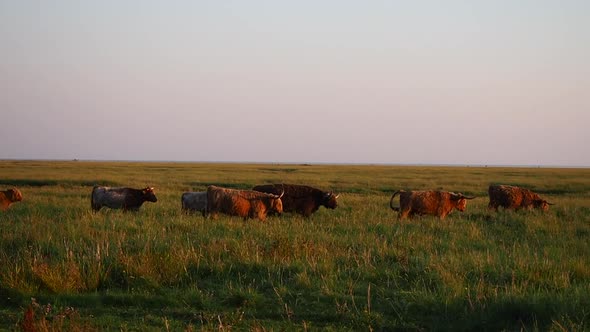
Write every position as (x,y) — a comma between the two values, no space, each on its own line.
(498,82)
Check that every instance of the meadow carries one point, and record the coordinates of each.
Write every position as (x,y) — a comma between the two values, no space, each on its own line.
(63,267)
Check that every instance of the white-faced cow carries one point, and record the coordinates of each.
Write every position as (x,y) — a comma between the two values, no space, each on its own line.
(121,198)
(242,203)
(301,199)
(8,197)
(436,203)
(511,197)
(194,201)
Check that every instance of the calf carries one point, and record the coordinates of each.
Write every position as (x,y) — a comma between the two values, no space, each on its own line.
(121,198)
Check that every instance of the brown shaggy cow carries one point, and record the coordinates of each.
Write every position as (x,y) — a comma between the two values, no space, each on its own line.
(436,203)
(510,197)
(242,203)
(8,197)
(300,199)
(121,198)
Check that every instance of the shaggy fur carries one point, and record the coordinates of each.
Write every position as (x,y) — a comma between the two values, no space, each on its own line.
(121,198)
(436,203)
(8,197)
(194,202)
(242,203)
(510,197)
(300,199)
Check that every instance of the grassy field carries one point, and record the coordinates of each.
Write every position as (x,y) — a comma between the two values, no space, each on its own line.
(353,268)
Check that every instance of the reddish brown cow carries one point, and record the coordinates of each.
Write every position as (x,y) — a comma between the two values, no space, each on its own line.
(511,197)
(8,197)
(436,203)
(242,203)
(300,199)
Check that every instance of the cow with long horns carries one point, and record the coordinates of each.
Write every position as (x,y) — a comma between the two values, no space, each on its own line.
(242,203)
(301,199)
(436,203)
(512,197)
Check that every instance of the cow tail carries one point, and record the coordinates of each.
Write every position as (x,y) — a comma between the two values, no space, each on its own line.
(394,208)
(92,203)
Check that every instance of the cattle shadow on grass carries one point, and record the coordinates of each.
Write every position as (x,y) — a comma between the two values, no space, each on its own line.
(559,190)
(279,170)
(61,183)
(486,216)
(573,190)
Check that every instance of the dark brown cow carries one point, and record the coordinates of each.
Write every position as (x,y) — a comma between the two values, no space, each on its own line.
(300,199)
(436,203)
(8,197)
(121,198)
(242,203)
(511,197)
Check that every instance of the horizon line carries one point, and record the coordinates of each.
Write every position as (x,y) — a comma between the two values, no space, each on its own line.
(303,163)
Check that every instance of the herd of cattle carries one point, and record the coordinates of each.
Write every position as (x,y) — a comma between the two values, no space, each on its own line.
(272,199)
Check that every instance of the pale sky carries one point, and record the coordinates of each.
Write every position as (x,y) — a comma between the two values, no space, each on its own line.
(410,82)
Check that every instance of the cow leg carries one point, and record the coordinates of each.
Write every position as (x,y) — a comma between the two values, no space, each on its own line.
(492,206)
(95,207)
(261,216)
(443,213)
(403,214)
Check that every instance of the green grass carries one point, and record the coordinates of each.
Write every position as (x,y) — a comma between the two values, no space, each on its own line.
(353,268)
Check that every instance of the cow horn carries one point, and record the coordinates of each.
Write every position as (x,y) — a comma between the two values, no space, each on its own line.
(330,194)
(467,197)
(549,203)
(283,192)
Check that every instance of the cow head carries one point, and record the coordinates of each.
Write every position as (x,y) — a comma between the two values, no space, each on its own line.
(149,194)
(460,201)
(15,195)
(541,204)
(276,205)
(330,200)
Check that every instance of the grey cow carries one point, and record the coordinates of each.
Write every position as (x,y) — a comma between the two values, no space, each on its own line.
(121,198)
(194,201)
